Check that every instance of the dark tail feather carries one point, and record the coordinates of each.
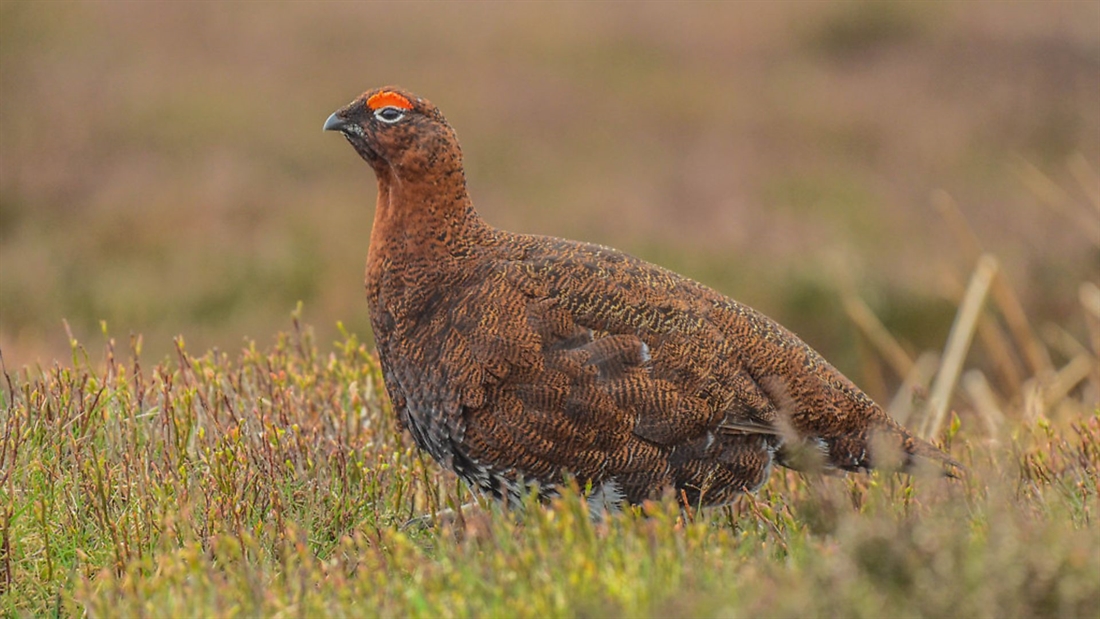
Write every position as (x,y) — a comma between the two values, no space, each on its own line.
(895,448)
(891,448)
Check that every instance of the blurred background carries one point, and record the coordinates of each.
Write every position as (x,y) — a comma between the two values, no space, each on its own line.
(163,168)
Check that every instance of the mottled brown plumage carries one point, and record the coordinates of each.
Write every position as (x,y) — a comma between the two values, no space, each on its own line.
(516,359)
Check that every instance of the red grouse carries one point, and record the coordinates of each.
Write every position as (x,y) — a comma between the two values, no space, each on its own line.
(516,360)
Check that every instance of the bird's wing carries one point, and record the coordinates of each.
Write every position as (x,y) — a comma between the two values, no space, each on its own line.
(733,371)
(588,380)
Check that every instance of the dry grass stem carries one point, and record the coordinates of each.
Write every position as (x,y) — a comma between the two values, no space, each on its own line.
(1089,294)
(915,384)
(981,394)
(1087,178)
(958,344)
(1058,200)
(878,335)
(1068,377)
(1006,299)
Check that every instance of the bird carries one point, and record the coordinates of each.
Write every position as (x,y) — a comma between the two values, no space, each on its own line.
(524,362)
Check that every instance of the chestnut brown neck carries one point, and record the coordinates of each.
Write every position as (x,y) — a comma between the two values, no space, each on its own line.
(420,218)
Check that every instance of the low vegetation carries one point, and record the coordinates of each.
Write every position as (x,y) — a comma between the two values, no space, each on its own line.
(274,481)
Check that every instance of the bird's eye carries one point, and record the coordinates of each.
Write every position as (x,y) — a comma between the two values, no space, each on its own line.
(389,115)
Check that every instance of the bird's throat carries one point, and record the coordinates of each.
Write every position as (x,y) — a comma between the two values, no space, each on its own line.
(419,221)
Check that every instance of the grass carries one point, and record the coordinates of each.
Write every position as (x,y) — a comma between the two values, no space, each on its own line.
(275,482)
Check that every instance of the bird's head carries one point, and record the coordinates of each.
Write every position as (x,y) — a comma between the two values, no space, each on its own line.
(398,133)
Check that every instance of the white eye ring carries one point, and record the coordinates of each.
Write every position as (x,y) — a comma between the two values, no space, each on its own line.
(389,114)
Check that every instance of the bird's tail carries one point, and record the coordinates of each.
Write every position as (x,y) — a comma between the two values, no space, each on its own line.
(892,447)
(885,445)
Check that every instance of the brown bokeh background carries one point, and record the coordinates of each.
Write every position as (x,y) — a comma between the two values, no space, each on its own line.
(163,168)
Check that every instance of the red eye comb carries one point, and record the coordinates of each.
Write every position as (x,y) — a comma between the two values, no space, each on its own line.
(388,98)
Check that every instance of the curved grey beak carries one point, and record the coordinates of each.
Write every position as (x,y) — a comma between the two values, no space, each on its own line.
(335,123)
